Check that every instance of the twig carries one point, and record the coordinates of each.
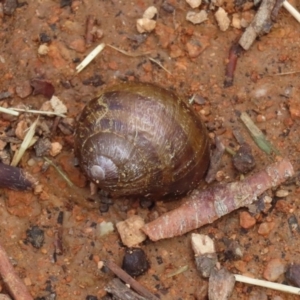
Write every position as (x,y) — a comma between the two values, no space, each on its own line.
(129,280)
(15,285)
(15,178)
(204,207)
(60,172)
(119,289)
(261,24)
(27,142)
(90,57)
(257,135)
(268,284)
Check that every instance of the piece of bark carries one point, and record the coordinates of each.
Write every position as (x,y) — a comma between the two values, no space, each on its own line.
(129,280)
(16,178)
(261,24)
(15,285)
(120,290)
(204,207)
(215,161)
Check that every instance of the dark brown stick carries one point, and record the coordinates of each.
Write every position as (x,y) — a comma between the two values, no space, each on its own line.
(15,178)
(129,280)
(120,290)
(204,207)
(90,22)
(234,53)
(15,285)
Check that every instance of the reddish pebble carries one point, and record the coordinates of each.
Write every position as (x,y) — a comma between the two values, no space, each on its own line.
(274,269)
(246,220)
(24,89)
(265,228)
(78,45)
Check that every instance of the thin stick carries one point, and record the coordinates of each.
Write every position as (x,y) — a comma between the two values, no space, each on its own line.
(90,57)
(291,10)
(129,280)
(268,284)
(34,111)
(15,285)
(8,111)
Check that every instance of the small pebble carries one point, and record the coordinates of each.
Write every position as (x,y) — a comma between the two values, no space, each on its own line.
(293,274)
(194,3)
(293,224)
(145,25)
(24,89)
(196,18)
(56,148)
(150,12)
(243,160)
(236,21)
(265,228)
(206,263)
(202,244)
(130,231)
(222,19)
(282,193)
(246,220)
(221,284)
(105,228)
(43,49)
(135,262)
(35,236)
(274,269)
(167,7)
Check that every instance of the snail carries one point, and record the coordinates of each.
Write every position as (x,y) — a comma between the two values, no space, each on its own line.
(138,139)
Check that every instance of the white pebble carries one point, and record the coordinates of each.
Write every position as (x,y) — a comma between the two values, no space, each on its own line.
(55,148)
(222,19)
(105,228)
(130,231)
(196,18)
(236,21)
(145,25)
(202,244)
(194,3)
(281,193)
(43,49)
(150,12)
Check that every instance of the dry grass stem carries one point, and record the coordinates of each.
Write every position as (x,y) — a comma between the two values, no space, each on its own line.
(128,53)
(60,172)
(8,111)
(41,112)
(27,142)
(158,63)
(268,284)
(90,57)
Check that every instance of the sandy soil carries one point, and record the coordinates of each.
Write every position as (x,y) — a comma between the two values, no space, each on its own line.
(195,56)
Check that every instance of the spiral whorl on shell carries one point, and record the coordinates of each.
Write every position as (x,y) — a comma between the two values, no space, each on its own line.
(139,139)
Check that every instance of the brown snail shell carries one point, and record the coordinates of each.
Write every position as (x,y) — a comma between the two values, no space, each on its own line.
(138,139)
